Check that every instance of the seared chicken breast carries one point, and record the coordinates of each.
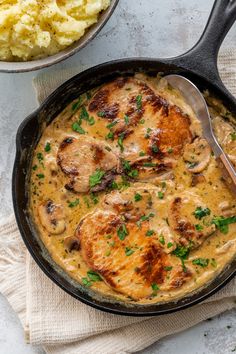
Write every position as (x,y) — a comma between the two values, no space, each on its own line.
(122,244)
(151,132)
(84,157)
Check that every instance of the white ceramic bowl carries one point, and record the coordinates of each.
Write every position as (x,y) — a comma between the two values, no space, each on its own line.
(18,67)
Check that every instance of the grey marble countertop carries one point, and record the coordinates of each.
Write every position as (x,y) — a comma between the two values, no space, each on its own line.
(155,28)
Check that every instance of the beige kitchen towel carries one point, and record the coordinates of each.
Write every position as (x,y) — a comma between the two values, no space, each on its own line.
(62,324)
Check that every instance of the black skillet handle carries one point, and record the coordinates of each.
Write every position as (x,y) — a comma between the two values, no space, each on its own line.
(202,58)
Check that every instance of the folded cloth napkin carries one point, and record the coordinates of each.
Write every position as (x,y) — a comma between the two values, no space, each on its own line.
(63,325)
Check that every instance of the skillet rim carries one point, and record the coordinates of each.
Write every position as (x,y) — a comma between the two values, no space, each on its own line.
(136,310)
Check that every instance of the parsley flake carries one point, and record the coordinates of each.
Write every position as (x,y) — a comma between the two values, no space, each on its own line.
(200,212)
(112,124)
(150,232)
(47,147)
(96,178)
(223,223)
(162,239)
(139,102)
(128,251)
(74,203)
(126,119)
(202,262)
(77,128)
(122,232)
(137,197)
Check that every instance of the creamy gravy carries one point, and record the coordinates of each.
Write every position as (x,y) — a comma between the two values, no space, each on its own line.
(48,182)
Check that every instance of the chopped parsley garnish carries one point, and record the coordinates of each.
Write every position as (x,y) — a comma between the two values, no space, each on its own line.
(120,141)
(162,239)
(202,262)
(96,178)
(110,136)
(155,288)
(76,105)
(150,232)
(47,147)
(168,268)
(93,276)
(101,114)
(74,203)
(233,136)
(40,175)
(114,185)
(84,114)
(160,195)
(86,282)
(182,253)
(133,173)
(147,135)
(192,164)
(126,165)
(139,102)
(163,184)
(169,244)
(94,198)
(144,218)
(128,251)
(108,253)
(155,149)
(122,232)
(170,150)
(34,167)
(149,164)
(137,197)
(142,153)
(112,124)
(77,128)
(200,212)
(128,170)
(142,121)
(91,121)
(223,223)
(126,119)
(199,227)
(86,201)
(40,157)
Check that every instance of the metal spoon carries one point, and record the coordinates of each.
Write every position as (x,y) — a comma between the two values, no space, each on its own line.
(195,99)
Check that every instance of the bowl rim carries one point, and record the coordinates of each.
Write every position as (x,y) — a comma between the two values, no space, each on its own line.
(26,66)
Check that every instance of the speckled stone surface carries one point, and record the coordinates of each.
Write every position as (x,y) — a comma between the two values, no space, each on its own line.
(156,28)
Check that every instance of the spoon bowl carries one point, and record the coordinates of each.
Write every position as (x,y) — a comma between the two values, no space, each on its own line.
(195,99)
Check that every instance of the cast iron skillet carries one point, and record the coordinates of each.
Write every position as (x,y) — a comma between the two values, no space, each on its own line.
(200,65)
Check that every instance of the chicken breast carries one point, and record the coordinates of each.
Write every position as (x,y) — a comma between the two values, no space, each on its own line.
(119,243)
(150,132)
(87,163)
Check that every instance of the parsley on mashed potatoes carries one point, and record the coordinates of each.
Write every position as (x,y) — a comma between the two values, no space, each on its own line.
(32,29)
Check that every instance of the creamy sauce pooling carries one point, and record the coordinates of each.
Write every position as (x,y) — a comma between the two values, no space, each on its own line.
(127,196)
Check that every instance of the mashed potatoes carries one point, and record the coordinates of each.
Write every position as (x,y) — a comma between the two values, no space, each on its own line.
(31,29)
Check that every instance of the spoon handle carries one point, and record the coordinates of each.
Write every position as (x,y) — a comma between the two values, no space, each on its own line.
(228,172)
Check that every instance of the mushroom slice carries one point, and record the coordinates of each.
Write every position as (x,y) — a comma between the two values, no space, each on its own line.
(52,217)
(71,243)
(189,230)
(197,155)
(227,209)
(80,158)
